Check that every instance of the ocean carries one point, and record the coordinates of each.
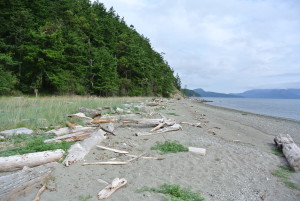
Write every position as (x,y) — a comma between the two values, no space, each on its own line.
(283,108)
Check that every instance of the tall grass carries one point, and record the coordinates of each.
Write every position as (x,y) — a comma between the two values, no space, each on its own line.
(40,112)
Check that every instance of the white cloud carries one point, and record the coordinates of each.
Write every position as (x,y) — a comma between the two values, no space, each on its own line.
(225,46)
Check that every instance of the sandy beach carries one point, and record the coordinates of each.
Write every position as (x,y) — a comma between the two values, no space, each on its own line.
(237,165)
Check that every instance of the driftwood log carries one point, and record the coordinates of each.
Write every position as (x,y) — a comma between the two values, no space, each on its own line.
(103,120)
(12,163)
(151,122)
(79,150)
(93,113)
(77,136)
(111,188)
(67,130)
(20,182)
(174,127)
(290,150)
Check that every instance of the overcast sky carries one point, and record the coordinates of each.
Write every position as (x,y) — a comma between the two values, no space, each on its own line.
(222,45)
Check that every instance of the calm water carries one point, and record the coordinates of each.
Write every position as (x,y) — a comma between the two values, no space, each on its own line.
(284,108)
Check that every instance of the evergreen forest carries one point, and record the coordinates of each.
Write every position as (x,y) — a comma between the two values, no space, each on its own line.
(77,47)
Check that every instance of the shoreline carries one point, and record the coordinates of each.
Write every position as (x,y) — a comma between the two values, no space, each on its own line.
(204,101)
(229,171)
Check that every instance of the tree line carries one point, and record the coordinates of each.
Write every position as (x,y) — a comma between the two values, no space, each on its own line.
(77,47)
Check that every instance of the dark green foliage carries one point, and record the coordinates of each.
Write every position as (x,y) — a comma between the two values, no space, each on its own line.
(175,192)
(190,93)
(33,143)
(77,47)
(169,147)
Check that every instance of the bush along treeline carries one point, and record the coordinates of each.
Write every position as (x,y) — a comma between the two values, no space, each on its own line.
(77,47)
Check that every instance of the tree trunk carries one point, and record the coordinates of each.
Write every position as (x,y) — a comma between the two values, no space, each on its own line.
(290,150)
(92,112)
(12,163)
(20,182)
(79,150)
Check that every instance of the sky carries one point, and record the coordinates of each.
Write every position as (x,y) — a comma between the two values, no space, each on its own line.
(227,46)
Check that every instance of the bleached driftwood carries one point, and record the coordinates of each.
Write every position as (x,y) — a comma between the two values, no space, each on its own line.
(38,195)
(145,157)
(151,122)
(107,163)
(290,150)
(92,112)
(152,104)
(158,126)
(67,130)
(12,163)
(22,181)
(79,115)
(200,151)
(174,127)
(111,188)
(111,127)
(79,150)
(77,136)
(111,149)
(192,124)
(103,120)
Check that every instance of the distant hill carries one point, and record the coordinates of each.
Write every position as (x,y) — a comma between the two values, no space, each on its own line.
(214,94)
(271,93)
(190,93)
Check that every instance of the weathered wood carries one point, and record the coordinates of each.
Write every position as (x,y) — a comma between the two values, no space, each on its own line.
(12,163)
(79,115)
(93,113)
(175,127)
(290,150)
(103,120)
(66,130)
(111,127)
(111,149)
(152,104)
(192,124)
(152,122)
(145,157)
(200,151)
(70,125)
(38,195)
(20,182)
(79,150)
(107,163)
(158,126)
(77,136)
(111,188)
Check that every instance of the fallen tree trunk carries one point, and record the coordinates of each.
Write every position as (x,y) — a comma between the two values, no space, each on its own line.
(79,150)
(20,182)
(67,130)
(12,163)
(175,127)
(78,136)
(290,150)
(151,122)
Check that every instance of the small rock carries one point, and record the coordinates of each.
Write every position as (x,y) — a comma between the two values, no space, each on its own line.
(16,131)
(1,137)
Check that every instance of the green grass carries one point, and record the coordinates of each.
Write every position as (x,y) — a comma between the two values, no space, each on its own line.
(35,113)
(174,192)
(32,143)
(277,152)
(85,197)
(284,173)
(169,147)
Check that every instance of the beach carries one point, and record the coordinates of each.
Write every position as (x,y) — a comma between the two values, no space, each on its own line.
(237,165)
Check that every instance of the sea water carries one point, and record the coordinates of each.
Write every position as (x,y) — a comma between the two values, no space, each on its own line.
(283,108)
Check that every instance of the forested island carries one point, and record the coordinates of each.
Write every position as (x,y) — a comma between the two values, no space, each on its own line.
(77,47)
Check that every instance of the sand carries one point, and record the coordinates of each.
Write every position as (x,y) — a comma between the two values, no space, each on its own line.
(237,171)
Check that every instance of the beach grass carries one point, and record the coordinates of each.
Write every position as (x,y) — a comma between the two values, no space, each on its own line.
(23,144)
(175,192)
(169,147)
(35,113)
(284,174)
